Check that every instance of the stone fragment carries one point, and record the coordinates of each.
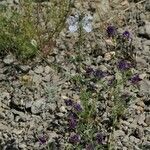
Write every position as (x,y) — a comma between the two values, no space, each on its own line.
(147,29)
(25,68)
(147,7)
(9,59)
(4,127)
(47,69)
(118,133)
(141,119)
(39,70)
(134,139)
(145,86)
(147,120)
(38,106)
(144,31)
(140,103)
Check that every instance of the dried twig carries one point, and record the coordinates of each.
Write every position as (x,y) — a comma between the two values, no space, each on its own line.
(142,1)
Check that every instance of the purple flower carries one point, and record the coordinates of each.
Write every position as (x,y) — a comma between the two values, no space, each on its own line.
(74,139)
(68,102)
(99,74)
(123,65)
(89,71)
(135,79)
(90,147)
(73,115)
(77,107)
(111,31)
(72,122)
(42,140)
(126,34)
(99,138)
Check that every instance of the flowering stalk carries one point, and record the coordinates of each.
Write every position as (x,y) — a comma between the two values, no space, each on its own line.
(80,45)
(78,23)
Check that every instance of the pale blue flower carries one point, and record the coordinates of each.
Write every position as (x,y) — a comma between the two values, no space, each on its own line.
(87,23)
(74,23)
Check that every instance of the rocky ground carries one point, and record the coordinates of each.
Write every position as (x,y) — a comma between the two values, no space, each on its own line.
(32,94)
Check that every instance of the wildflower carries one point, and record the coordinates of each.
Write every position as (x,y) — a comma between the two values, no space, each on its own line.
(74,22)
(99,74)
(111,31)
(87,23)
(72,122)
(90,147)
(74,139)
(135,79)
(99,138)
(42,140)
(73,115)
(123,65)
(77,107)
(68,102)
(89,71)
(126,34)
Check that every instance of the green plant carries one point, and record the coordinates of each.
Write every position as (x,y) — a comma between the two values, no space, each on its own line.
(32,26)
(91,93)
(89,107)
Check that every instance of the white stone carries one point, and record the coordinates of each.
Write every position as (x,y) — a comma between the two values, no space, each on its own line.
(39,70)
(9,59)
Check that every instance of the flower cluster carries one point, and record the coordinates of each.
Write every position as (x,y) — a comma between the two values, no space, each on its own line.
(112,32)
(74,139)
(99,74)
(68,102)
(42,140)
(89,71)
(96,73)
(93,75)
(72,122)
(135,79)
(126,34)
(75,22)
(73,116)
(124,65)
(99,138)
(76,106)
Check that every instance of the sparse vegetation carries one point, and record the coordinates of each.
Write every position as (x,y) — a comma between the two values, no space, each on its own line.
(90,85)
(88,116)
(31,26)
